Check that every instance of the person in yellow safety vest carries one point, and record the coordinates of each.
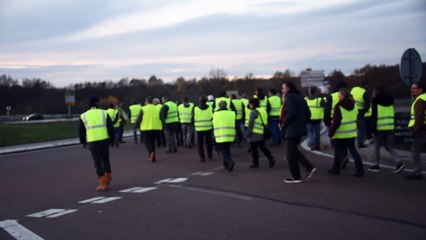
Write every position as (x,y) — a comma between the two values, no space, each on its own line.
(149,122)
(96,131)
(161,139)
(227,100)
(417,125)
(362,100)
(343,130)
(210,101)
(202,119)
(382,125)
(134,110)
(263,99)
(224,133)
(239,111)
(247,110)
(316,106)
(113,114)
(258,121)
(170,118)
(275,104)
(185,110)
(122,120)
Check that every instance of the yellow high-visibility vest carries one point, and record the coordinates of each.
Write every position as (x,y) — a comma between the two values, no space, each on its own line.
(334,101)
(220,99)
(258,125)
(347,128)
(412,119)
(224,126)
(317,111)
(275,103)
(203,119)
(185,113)
(112,112)
(150,118)
(238,107)
(134,112)
(357,94)
(385,117)
(172,113)
(95,122)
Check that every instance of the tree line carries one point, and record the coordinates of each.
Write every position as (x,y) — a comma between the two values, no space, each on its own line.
(37,95)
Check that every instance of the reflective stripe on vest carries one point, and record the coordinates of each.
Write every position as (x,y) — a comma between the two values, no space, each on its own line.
(185,113)
(94,121)
(357,94)
(347,128)
(413,119)
(224,126)
(150,118)
(134,112)
(275,103)
(385,118)
(238,107)
(172,113)
(258,125)
(317,111)
(203,119)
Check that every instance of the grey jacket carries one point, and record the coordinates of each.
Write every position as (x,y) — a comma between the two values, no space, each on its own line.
(251,136)
(296,115)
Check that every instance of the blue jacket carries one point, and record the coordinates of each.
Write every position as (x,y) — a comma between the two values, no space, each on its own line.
(296,114)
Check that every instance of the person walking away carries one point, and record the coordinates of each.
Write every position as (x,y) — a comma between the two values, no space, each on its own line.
(257,123)
(161,139)
(239,116)
(113,114)
(203,115)
(169,116)
(344,131)
(185,111)
(274,117)
(150,125)
(362,101)
(224,132)
(295,115)
(417,127)
(134,110)
(122,120)
(316,107)
(96,132)
(382,120)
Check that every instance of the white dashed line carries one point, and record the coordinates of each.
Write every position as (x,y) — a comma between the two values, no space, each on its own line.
(18,231)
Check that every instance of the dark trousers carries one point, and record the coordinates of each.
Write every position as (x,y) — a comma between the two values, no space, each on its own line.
(275,131)
(341,150)
(255,152)
(239,133)
(149,140)
(208,136)
(225,149)
(100,155)
(294,157)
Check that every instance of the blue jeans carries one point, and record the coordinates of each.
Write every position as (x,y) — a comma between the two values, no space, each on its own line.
(360,124)
(313,130)
(340,151)
(275,131)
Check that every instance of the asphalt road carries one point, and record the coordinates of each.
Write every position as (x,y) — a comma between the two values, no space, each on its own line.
(179,197)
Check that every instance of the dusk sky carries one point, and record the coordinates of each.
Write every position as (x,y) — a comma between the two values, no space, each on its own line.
(67,42)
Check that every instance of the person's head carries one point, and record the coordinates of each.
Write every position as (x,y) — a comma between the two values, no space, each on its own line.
(222,105)
(202,99)
(148,100)
(288,87)
(244,95)
(93,101)
(185,99)
(344,94)
(155,101)
(254,103)
(233,96)
(210,98)
(339,85)
(272,92)
(417,89)
(378,91)
(134,101)
(164,99)
(111,105)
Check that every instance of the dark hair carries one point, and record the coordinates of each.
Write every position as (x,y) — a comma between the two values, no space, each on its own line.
(420,85)
(273,91)
(148,99)
(345,92)
(379,90)
(339,85)
(233,96)
(291,87)
(203,99)
(255,102)
(93,101)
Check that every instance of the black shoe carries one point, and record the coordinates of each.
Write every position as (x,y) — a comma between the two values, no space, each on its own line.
(202,159)
(254,166)
(271,162)
(210,157)
(362,146)
(310,173)
(399,167)
(292,180)
(375,168)
(332,172)
(358,175)
(344,163)
(231,167)
(414,177)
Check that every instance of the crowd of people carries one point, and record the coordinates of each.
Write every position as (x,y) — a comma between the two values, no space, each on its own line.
(214,123)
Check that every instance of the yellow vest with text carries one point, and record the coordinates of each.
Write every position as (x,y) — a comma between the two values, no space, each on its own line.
(150,118)
(172,113)
(385,118)
(95,122)
(347,128)
(317,111)
(224,126)
(412,119)
(185,113)
(203,119)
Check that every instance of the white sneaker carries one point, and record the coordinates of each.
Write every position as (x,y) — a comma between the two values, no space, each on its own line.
(292,180)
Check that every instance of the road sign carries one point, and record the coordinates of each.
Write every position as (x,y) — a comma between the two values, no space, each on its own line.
(312,78)
(411,66)
(70,98)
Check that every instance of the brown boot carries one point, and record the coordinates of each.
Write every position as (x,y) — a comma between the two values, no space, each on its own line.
(151,157)
(108,177)
(102,180)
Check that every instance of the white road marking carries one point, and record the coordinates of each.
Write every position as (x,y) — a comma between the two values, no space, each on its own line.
(91,200)
(45,213)
(177,180)
(138,189)
(202,173)
(130,189)
(105,200)
(18,231)
(163,181)
(62,213)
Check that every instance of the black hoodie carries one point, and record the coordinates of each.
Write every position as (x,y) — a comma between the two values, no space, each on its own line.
(382,99)
(347,104)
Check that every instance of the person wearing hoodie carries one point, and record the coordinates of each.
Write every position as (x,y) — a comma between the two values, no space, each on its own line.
(202,120)
(382,125)
(295,114)
(343,130)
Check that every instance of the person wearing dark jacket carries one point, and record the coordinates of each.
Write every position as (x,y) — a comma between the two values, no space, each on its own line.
(343,130)
(96,131)
(295,115)
(202,120)
(382,125)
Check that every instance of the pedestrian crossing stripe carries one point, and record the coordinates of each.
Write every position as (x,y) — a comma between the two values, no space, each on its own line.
(202,173)
(99,200)
(172,180)
(138,189)
(52,213)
